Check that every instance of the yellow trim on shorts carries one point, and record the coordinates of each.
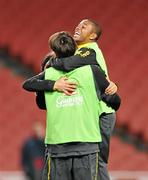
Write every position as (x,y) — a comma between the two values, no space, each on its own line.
(49,169)
(97,161)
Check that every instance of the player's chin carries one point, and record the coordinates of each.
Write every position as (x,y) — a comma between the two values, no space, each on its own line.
(76,38)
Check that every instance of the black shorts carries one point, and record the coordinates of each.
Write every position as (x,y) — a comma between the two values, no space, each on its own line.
(71,168)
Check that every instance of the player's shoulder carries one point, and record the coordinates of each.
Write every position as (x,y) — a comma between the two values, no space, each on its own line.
(84,51)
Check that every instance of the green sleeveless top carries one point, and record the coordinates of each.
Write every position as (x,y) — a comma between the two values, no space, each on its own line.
(72,118)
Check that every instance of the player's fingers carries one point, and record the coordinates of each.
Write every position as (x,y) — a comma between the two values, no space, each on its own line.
(71,86)
(109,88)
(64,78)
(69,93)
(72,83)
(110,91)
(70,89)
(106,91)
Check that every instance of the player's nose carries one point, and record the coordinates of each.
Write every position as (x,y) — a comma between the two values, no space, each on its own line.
(77,29)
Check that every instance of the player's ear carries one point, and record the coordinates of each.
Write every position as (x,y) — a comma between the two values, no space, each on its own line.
(93,36)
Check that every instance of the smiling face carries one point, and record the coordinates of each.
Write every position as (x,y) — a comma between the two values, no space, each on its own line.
(84,32)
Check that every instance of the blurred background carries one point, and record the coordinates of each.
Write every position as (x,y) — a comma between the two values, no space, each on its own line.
(24,30)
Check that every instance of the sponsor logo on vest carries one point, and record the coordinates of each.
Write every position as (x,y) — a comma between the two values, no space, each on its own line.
(64,101)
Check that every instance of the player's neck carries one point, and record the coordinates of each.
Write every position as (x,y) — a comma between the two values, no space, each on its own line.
(80,45)
(84,42)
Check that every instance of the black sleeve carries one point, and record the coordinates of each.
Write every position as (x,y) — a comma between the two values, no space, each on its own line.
(37,83)
(85,56)
(113,101)
(40,100)
(100,80)
(101,84)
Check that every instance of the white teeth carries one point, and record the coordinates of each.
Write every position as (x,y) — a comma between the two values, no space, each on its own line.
(77,33)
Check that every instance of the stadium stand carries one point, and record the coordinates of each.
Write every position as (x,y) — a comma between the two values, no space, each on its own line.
(126,157)
(24,30)
(16,118)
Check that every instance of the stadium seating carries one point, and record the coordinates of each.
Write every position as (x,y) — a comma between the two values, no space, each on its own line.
(126,158)
(18,114)
(24,30)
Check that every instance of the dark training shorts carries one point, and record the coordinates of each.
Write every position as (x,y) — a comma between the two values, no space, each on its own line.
(71,168)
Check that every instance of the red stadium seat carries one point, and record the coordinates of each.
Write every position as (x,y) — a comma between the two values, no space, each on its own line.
(25,29)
